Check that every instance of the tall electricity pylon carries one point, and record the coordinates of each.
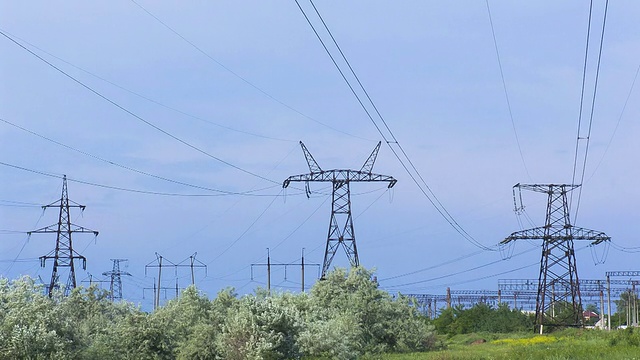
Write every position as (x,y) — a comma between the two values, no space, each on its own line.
(558,284)
(63,255)
(341,224)
(115,288)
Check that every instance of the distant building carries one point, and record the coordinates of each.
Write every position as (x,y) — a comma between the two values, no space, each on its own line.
(588,315)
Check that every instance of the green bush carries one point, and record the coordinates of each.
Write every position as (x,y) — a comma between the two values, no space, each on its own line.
(482,318)
(343,317)
(629,336)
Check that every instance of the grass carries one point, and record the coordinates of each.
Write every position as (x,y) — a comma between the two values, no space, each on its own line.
(567,344)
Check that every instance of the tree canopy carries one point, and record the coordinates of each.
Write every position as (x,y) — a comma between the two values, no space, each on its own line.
(343,317)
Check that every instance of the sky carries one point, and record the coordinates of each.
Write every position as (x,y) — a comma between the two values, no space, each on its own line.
(177,122)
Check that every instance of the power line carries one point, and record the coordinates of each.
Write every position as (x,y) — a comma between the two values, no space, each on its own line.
(182,112)
(301,224)
(175,32)
(593,103)
(582,92)
(492,275)
(18,203)
(245,231)
(122,188)
(390,140)
(463,257)
(23,232)
(633,249)
(225,192)
(456,273)
(615,130)
(148,123)
(506,93)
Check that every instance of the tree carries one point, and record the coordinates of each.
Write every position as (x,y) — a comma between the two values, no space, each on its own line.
(482,318)
(378,322)
(627,309)
(260,327)
(343,317)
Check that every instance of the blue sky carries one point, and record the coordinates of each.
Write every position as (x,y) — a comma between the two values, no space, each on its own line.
(243,82)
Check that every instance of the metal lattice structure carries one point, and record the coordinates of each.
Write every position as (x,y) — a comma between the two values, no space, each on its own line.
(428,303)
(558,280)
(63,255)
(341,232)
(115,284)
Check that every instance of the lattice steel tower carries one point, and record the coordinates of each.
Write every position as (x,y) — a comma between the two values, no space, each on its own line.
(558,284)
(63,255)
(115,287)
(341,231)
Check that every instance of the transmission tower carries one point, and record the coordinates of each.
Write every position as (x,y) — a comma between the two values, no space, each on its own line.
(558,282)
(115,287)
(341,224)
(63,255)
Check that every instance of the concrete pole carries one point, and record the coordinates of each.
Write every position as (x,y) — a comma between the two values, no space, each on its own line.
(159,275)
(268,272)
(302,263)
(609,302)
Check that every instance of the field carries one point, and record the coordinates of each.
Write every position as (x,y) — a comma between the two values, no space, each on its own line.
(570,344)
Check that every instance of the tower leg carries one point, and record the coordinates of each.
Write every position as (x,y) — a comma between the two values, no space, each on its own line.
(341,231)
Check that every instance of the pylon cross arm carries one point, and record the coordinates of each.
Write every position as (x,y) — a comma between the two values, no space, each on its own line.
(340,175)
(576,233)
(47,229)
(54,229)
(529,234)
(596,237)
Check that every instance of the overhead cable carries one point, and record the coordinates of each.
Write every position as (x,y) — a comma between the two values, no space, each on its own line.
(458,272)
(615,130)
(148,123)
(593,103)
(225,192)
(506,93)
(59,176)
(388,137)
(182,112)
(243,79)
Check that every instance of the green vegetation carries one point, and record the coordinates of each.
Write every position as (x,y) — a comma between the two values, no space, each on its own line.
(626,307)
(482,318)
(343,317)
(566,344)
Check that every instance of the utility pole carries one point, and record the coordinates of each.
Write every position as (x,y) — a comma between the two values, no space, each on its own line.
(558,279)
(115,287)
(92,281)
(601,303)
(154,288)
(341,231)
(635,305)
(269,264)
(193,263)
(268,271)
(634,318)
(608,302)
(158,264)
(63,255)
(302,270)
